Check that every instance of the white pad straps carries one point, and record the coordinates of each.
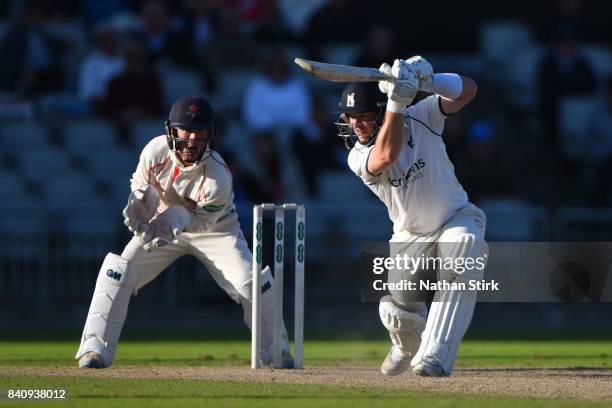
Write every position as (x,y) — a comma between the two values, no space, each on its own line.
(108,308)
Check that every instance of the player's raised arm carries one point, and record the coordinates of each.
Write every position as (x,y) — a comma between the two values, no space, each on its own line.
(400,93)
(455,90)
(452,105)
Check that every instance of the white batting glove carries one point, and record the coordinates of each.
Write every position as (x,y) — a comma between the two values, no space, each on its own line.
(141,207)
(403,89)
(384,85)
(424,72)
(166,228)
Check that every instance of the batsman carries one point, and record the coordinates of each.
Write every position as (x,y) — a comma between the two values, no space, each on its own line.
(182,203)
(398,151)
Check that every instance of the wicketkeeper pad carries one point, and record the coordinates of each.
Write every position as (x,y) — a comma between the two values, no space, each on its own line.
(267,302)
(108,308)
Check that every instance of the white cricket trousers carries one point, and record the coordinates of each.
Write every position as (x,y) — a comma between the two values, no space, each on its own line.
(225,255)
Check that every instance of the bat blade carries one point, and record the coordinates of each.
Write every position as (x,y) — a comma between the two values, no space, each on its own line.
(341,73)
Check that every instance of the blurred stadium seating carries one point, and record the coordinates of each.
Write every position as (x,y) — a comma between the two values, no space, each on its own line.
(83,137)
(500,41)
(65,174)
(577,114)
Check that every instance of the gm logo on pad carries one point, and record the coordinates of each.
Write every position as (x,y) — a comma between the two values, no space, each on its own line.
(113,275)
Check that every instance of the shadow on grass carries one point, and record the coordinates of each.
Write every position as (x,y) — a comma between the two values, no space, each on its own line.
(155,334)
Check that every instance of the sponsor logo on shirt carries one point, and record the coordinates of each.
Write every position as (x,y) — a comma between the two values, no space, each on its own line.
(412,174)
(213,208)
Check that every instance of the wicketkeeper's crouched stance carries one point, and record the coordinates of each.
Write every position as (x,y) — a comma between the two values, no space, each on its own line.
(400,155)
(181,203)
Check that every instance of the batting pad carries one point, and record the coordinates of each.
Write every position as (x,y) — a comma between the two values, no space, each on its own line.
(404,327)
(108,308)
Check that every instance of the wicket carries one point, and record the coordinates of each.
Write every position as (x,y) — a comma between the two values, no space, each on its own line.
(279,242)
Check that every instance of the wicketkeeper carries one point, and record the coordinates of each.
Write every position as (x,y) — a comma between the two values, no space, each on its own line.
(181,203)
(399,153)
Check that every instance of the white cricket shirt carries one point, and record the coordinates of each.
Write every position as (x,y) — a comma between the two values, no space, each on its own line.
(207,184)
(420,189)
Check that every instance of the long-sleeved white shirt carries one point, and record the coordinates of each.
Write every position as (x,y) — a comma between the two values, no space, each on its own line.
(208,184)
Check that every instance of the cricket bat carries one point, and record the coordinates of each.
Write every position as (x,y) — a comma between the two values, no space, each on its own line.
(342,73)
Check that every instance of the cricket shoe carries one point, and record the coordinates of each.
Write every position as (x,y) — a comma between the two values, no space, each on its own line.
(428,368)
(286,362)
(91,359)
(395,363)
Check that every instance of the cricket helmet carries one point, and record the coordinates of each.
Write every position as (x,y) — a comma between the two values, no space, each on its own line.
(190,113)
(359,97)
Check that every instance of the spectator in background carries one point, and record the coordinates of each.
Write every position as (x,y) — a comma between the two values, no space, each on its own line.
(274,101)
(62,10)
(338,21)
(313,141)
(602,122)
(161,37)
(94,75)
(262,20)
(563,71)
(201,19)
(136,92)
(269,157)
(96,11)
(247,188)
(99,67)
(275,98)
(232,46)
(485,167)
(380,46)
(562,13)
(220,42)
(253,12)
(599,162)
(30,56)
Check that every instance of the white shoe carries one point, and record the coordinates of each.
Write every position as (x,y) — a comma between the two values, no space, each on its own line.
(429,368)
(91,359)
(395,363)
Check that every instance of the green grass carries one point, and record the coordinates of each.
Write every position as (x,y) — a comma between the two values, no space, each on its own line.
(140,347)
(189,348)
(597,354)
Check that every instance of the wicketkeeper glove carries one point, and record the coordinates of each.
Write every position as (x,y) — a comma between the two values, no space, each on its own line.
(141,207)
(165,228)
